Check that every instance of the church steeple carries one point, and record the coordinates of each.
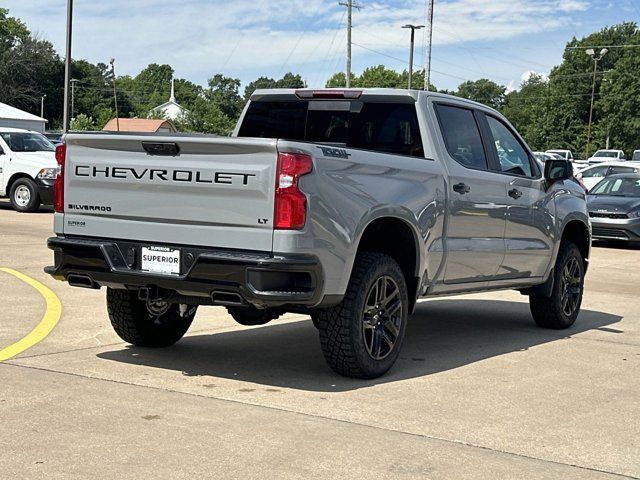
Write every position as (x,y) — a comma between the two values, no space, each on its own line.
(173,92)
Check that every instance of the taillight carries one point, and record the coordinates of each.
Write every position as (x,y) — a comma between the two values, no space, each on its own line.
(58,183)
(290,211)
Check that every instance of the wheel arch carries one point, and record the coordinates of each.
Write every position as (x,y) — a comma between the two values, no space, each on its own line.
(577,232)
(394,236)
(17,176)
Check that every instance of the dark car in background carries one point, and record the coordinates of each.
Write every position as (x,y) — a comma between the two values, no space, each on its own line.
(614,208)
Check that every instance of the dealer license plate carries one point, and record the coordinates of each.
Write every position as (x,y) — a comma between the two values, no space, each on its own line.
(161,260)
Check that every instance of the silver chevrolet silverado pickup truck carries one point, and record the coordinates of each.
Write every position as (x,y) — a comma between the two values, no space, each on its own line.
(347,205)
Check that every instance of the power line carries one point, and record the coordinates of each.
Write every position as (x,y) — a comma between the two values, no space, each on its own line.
(602,46)
(405,62)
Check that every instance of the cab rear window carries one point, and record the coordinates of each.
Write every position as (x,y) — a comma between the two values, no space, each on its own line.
(381,127)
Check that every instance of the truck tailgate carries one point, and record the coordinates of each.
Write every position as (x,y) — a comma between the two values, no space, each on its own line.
(203,191)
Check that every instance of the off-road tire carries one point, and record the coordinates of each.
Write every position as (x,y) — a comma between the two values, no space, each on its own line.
(548,312)
(340,327)
(135,324)
(34,197)
(252,316)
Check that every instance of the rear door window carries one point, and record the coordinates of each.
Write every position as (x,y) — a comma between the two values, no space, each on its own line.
(462,136)
(381,127)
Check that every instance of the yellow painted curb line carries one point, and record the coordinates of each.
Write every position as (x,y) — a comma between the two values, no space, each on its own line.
(48,322)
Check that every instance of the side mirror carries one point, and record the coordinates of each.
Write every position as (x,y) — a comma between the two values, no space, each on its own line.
(557,170)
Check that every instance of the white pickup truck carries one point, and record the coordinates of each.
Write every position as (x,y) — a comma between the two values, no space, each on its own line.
(28,168)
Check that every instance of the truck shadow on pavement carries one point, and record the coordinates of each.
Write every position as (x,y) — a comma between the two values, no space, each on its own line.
(441,335)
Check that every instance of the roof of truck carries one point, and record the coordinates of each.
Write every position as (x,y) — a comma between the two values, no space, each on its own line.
(365,92)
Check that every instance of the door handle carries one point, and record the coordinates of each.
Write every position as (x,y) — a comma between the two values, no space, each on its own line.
(461,188)
(515,193)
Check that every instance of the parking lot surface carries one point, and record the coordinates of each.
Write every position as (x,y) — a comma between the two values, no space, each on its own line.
(479,390)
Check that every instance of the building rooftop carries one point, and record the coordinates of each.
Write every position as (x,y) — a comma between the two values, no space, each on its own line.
(13,113)
(139,125)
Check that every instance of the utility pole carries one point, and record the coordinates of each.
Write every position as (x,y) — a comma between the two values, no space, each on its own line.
(350,6)
(413,39)
(67,68)
(115,96)
(596,58)
(427,51)
(73,95)
(42,105)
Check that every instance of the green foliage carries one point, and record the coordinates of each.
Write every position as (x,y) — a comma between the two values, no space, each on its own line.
(526,109)
(289,80)
(12,30)
(29,69)
(379,76)
(618,105)
(483,91)
(562,112)
(82,123)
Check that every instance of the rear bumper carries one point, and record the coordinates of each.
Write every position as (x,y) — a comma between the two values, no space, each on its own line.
(219,277)
(626,230)
(45,191)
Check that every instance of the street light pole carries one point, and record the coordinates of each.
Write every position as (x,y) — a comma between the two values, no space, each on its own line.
(427,53)
(413,38)
(596,58)
(73,95)
(67,68)
(42,105)
(115,96)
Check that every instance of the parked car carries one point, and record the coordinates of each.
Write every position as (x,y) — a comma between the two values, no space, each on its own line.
(27,168)
(593,174)
(566,154)
(636,156)
(346,205)
(54,137)
(544,156)
(606,156)
(614,208)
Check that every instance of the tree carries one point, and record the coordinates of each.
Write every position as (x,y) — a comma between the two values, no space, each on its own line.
(217,109)
(569,96)
(337,80)
(29,69)
(82,123)
(618,109)
(526,109)
(289,80)
(379,76)
(12,30)
(483,91)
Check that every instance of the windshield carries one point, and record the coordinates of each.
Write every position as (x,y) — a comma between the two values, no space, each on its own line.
(27,142)
(606,154)
(559,153)
(618,187)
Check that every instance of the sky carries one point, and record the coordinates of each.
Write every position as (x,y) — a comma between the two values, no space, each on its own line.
(502,40)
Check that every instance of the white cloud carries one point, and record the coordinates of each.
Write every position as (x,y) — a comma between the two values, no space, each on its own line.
(202,37)
(529,73)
